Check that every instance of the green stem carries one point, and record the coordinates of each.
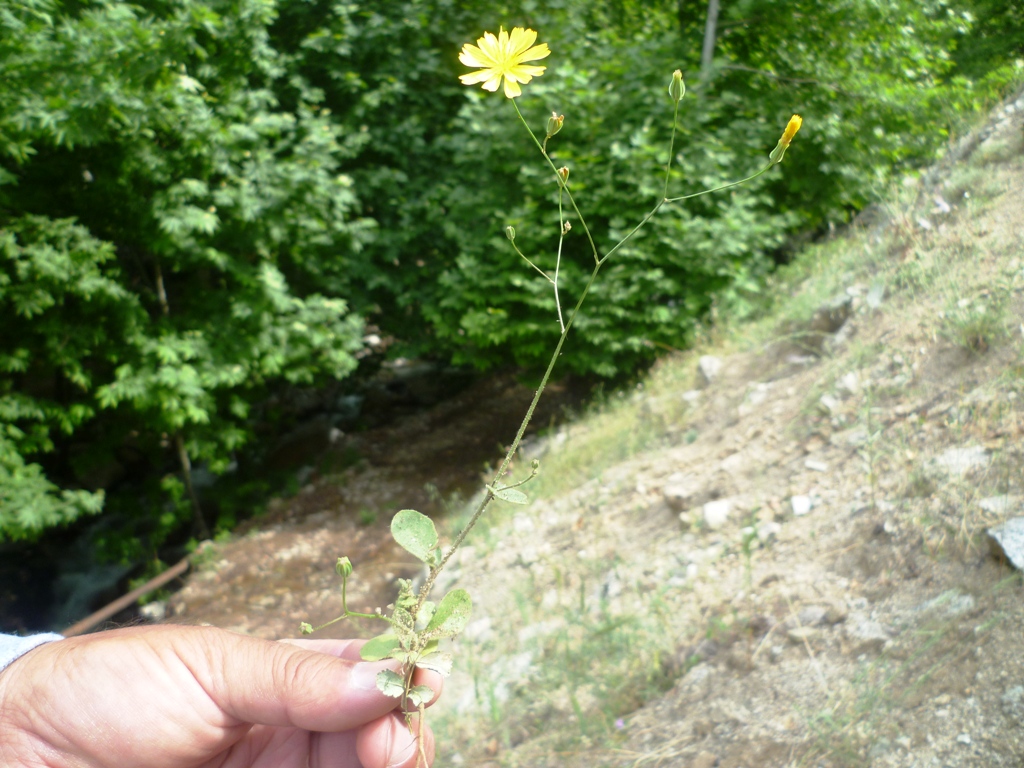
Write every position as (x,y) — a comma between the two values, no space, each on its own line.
(671,151)
(717,189)
(559,179)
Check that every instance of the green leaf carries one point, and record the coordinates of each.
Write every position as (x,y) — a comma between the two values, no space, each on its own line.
(380,647)
(511,495)
(420,694)
(437,662)
(390,683)
(451,615)
(415,533)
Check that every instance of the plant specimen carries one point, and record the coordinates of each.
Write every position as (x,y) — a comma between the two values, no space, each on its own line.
(416,624)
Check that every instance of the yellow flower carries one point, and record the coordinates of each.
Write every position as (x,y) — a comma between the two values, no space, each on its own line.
(787,136)
(791,128)
(503,57)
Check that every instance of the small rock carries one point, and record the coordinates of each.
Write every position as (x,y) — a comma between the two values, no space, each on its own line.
(1013,703)
(709,367)
(829,403)
(801,505)
(799,635)
(692,396)
(679,493)
(705,760)
(1000,505)
(876,295)
(716,513)
(831,315)
(952,603)
(836,612)
(1010,536)
(768,531)
(865,634)
(960,461)
(849,383)
(812,615)
(817,466)
(849,437)
(964,738)
(155,611)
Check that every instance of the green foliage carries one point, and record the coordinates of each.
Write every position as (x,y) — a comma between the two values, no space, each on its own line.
(876,99)
(174,229)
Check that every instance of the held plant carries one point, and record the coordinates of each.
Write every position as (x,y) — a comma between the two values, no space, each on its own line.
(416,624)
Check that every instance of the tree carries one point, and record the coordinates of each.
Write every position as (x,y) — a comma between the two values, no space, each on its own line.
(158,208)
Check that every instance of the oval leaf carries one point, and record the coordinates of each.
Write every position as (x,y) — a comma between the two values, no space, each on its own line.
(511,495)
(451,615)
(420,695)
(379,647)
(390,683)
(415,533)
(438,662)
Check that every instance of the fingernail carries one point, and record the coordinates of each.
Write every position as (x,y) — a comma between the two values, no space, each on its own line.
(364,675)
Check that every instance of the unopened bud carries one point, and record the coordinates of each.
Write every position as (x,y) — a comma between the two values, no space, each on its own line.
(566,227)
(787,136)
(510,233)
(306,629)
(343,567)
(563,174)
(677,88)
(555,123)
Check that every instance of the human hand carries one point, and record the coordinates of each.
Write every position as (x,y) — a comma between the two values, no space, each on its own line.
(177,697)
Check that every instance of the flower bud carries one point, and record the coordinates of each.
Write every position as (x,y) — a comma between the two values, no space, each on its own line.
(555,124)
(563,174)
(510,233)
(677,88)
(343,567)
(787,136)
(306,629)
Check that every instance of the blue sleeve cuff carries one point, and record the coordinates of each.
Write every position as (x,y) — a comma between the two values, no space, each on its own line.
(12,646)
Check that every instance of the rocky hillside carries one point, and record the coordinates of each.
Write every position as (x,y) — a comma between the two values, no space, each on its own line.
(777,551)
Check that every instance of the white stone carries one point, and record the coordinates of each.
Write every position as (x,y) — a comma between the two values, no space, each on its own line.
(960,461)
(817,466)
(802,505)
(829,403)
(716,513)
(1010,536)
(709,367)
(1000,505)
(849,383)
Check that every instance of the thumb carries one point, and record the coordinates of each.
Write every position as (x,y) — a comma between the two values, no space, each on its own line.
(259,681)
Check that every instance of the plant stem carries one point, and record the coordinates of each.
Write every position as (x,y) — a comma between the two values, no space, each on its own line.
(599,261)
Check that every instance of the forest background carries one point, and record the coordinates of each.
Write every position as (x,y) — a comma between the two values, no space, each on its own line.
(206,206)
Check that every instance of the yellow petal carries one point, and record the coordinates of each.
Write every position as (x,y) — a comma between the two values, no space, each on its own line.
(476,77)
(521,40)
(472,56)
(525,71)
(493,80)
(511,88)
(489,48)
(537,52)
